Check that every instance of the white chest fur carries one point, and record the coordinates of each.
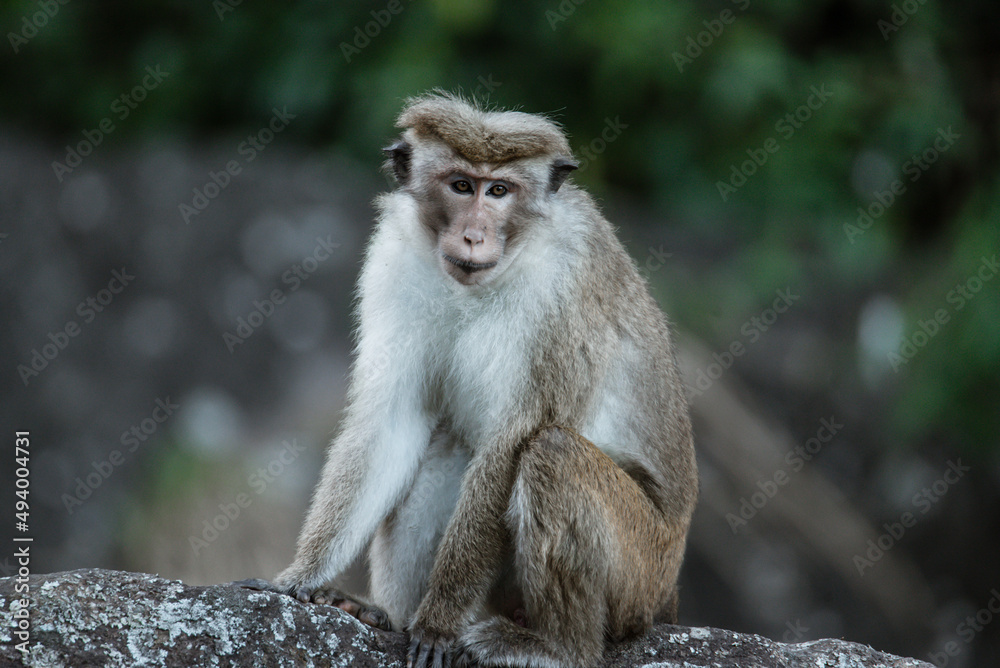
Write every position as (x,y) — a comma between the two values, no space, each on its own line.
(462,348)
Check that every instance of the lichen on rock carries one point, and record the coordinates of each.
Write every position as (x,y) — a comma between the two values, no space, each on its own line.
(95,617)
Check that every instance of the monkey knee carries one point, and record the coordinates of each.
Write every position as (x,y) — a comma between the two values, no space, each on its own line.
(547,483)
(553,522)
(554,438)
(552,449)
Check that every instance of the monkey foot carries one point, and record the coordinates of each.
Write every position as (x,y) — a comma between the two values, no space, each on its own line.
(429,650)
(364,612)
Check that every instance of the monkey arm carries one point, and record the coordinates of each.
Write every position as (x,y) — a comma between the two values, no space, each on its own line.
(470,555)
(363,479)
(369,466)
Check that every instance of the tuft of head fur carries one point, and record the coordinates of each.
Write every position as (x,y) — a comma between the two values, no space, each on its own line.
(479,135)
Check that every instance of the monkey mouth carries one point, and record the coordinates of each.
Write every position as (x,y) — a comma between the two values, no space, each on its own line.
(470,267)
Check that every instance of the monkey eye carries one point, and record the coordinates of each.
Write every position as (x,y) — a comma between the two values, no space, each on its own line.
(497,190)
(462,186)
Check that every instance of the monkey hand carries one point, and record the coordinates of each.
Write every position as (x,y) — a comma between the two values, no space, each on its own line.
(364,612)
(429,648)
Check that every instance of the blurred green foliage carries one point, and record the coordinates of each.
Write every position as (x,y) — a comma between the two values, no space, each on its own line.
(744,66)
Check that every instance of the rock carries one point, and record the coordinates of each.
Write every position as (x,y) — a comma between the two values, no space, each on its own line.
(97,617)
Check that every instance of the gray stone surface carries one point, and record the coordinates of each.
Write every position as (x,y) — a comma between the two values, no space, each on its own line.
(98,617)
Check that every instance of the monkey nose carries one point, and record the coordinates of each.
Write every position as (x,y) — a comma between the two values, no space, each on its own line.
(473,236)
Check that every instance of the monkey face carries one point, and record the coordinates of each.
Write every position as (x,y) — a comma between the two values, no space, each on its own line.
(477,191)
(475,212)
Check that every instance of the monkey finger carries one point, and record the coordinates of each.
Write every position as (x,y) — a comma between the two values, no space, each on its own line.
(324,597)
(424,655)
(418,654)
(375,617)
(258,584)
(328,596)
(301,594)
(449,657)
(365,613)
(353,608)
(411,652)
(442,653)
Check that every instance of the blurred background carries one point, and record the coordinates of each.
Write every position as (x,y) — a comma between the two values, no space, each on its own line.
(811,189)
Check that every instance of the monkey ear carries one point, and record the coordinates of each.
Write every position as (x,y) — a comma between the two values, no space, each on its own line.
(561,167)
(399,160)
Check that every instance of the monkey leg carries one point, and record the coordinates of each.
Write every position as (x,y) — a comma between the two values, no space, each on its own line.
(402,552)
(594,558)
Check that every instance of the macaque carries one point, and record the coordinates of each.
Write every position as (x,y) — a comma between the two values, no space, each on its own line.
(516,447)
